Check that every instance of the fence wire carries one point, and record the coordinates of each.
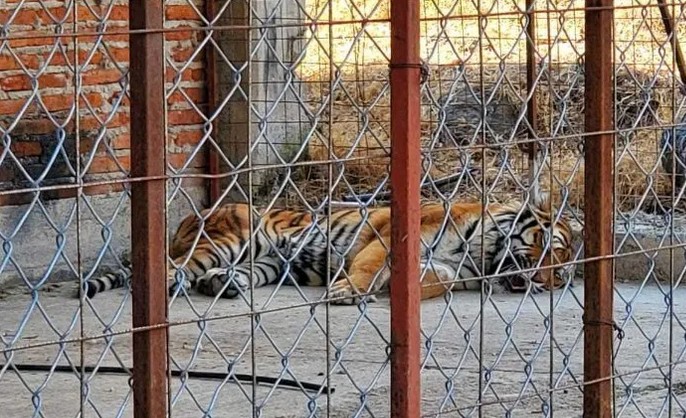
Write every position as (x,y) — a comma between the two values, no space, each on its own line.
(283,108)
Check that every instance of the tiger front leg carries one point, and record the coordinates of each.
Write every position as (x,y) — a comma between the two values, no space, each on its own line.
(368,273)
(232,281)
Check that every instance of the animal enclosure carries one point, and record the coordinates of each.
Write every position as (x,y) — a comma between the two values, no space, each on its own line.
(336,208)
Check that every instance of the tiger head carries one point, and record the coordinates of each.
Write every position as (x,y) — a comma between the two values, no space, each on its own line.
(541,239)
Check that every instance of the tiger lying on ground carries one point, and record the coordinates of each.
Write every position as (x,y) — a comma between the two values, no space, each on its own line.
(289,241)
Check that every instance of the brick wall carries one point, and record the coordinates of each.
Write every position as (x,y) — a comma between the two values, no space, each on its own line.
(37,94)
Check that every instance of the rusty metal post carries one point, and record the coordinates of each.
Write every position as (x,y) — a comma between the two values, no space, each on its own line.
(599,211)
(405,200)
(531,148)
(148,210)
(234,137)
(212,94)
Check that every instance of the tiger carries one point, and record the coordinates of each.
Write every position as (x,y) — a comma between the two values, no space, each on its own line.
(215,254)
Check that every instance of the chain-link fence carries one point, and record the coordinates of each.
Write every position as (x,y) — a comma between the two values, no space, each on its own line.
(518,253)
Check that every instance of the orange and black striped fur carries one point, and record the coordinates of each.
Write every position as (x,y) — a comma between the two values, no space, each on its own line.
(213,255)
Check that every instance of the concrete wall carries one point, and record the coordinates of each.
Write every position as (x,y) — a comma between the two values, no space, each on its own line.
(40,240)
(277,123)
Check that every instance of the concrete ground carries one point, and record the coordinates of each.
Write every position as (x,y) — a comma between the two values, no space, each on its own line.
(515,353)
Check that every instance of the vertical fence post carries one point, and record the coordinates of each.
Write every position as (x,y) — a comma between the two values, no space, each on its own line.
(405,201)
(212,94)
(234,137)
(599,210)
(532,105)
(148,209)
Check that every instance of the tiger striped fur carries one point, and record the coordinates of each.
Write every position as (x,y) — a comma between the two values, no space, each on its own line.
(213,255)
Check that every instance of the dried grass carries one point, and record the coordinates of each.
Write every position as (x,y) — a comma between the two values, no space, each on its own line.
(358,135)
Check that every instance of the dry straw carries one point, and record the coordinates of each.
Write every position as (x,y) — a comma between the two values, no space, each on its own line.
(358,127)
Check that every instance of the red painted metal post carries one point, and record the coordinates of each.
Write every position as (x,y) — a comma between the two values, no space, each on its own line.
(531,64)
(599,211)
(212,94)
(148,210)
(405,201)
(531,148)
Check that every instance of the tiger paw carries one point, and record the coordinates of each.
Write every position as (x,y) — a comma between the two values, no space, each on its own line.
(217,280)
(175,284)
(537,288)
(498,287)
(343,293)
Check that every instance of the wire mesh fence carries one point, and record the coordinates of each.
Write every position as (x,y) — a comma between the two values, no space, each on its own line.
(202,216)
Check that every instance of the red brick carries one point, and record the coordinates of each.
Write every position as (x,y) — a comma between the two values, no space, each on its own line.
(119,13)
(181,13)
(59,60)
(180,35)
(26,148)
(101,76)
(23,17)
(103,189)
(187,137)
(114,97)
(182,55)
(34,127)
(89,122)
(120,55)
(31,17)
(10,107)
(16,199)
(105,38)
(196,94)
(68,193)
(42,41)
(16,83)
(60,13)
(107,164)
(58,102)
(23,82)
(121,141)
(178,160)
(184,117)
(94,99)
(86,123)
(8,62)
(197,74)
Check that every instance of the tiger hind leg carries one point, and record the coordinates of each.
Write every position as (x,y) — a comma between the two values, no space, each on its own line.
(368,273)
(438,280)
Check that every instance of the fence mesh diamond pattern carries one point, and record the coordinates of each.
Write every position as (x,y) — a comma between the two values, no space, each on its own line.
(279,127)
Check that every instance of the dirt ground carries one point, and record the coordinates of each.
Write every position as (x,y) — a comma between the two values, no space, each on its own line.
(292,344)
